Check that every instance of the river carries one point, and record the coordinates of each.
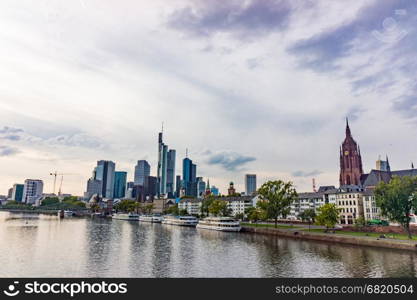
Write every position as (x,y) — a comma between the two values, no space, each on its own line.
(33,245)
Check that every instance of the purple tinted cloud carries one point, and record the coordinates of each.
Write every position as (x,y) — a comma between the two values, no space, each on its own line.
(245,19)
(8,151)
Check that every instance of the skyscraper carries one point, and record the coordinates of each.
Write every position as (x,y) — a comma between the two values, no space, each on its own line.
(250,184)
(178,186)
(170,173)
(32,191)
(120,184)
(189,179)
(17,193)
(162,169)
(350,160)
(201,187)
(142,170)
(105,173)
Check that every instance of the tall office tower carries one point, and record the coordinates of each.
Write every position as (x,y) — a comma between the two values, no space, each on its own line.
(17,193)
(189,173)
(201,187)
(105,173)
(177,186)
(32,191)
(250,184)
(120,184)
(129,190)
(150,188)
(166,161)
(383,165)
(142,169)
(162,166)
(170,173)
(93,188)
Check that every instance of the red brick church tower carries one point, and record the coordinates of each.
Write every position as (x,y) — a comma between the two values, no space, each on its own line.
(350,160)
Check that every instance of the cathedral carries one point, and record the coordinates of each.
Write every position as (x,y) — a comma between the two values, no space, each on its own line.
(350,160)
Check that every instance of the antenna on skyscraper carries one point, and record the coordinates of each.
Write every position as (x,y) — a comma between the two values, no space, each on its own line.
(186,152)
(162,126)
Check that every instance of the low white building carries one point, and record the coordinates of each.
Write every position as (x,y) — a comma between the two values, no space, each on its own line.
(191,205)
(370,209)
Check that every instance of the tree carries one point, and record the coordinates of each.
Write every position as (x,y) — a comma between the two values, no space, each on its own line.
(328,215)
(308,215)
(205,204)
(126,205)
(360,222)
(49,201)
(218,207)
(254,214)
(276,199)
(182,212)
(397,199)
(240,216)
(148,209)
(173,210)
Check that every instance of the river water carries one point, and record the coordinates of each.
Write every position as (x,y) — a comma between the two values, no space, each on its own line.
(34,245)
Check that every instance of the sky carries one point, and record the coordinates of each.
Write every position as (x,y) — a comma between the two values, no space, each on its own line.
(247,86)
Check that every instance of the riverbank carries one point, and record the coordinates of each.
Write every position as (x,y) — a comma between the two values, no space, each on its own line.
(42,211)
(300,233)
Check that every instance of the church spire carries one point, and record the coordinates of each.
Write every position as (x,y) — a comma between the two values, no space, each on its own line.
(388,166)
(347,127)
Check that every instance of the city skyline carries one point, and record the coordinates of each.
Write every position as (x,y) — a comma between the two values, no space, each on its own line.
(76,95)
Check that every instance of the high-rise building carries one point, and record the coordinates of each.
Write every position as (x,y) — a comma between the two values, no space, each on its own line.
(350,160)
(150,187)
(129,190)
(178,186)
(120,184)
(170,173)
(250,184)
(166,160)
(201,187)
(142,169)
(93,188)
(214,191)
(383,165)
(32,191)
(17,193)
(105,173)
(189,179)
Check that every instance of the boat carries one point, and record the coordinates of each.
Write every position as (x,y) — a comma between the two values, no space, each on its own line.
(126,217)
(219,224)
(180,220)
(68,213)
(150,218)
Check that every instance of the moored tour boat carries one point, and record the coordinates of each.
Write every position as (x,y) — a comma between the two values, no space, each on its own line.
(126,217)
(219,224)
(180,220)
(150,218)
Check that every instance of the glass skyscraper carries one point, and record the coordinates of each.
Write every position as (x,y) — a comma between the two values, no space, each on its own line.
(142,170)
(120,184)
(166,160)
(250,184)
(105,173)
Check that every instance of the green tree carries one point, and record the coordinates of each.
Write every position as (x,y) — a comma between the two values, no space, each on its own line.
(240,216)
(182,212)
(360,222)
(49,201)
(218,207)
(308,215)
(148,209)
(205,204)
(328,215)
(276,198)
(126,205)
(173,210)
(254,214)
(397,199)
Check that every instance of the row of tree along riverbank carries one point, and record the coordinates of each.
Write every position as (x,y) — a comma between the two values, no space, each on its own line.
(333,238)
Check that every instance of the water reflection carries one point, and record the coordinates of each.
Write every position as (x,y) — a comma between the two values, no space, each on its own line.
(41,245)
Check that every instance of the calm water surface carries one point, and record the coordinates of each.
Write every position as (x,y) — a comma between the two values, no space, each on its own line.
(34,245)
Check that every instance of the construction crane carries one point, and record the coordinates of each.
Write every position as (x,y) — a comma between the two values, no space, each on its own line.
(55,174)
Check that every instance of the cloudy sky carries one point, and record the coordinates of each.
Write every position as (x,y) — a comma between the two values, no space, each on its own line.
(247,86)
